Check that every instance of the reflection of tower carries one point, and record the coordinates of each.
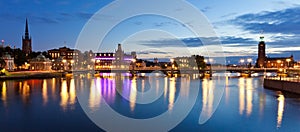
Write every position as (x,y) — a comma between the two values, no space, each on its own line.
(26,41)
(261,53)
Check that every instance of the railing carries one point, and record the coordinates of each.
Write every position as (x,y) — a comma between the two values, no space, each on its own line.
(284,78)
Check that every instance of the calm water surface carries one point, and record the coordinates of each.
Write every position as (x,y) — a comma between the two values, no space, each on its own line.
(52,104)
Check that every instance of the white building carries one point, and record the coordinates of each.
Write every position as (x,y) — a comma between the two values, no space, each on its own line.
(9,62)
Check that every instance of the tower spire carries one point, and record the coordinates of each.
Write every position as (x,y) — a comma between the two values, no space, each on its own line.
(26,40)
(26,30)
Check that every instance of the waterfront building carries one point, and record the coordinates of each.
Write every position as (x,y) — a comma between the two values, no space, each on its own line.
(104,60)
(280,62)
(40,63)
(139,63)
(59,64)
(26,41)
(193,62)
(68,57)
(9,62)
(270,62)
(119,59)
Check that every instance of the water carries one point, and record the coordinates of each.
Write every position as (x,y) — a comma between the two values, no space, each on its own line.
(54,104)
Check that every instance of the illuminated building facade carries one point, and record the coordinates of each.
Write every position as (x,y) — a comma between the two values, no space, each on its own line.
(9,61)
(267,62)
(66,56)
(106,61)
(40,63)
(281,62)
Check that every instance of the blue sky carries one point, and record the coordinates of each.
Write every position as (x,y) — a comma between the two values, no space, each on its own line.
(55,23)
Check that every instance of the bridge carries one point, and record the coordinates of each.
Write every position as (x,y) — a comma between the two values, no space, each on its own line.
(208,70)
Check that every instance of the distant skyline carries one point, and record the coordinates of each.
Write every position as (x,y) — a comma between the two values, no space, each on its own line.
(57,23)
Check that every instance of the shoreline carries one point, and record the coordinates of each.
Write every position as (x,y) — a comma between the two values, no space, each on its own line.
(31,75)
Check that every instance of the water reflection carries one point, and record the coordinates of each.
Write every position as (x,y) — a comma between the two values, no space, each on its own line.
(249,95)
(4,94)
(64,95)
(245,95)
(241,96)
(172,90)
(95,94)
(280,110)
(25,92)
(227,90)
(207,97)
(44,92)
(247,99)
(133,93)
(68,95)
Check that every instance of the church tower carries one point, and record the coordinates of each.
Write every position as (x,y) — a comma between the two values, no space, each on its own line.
(26,41)
(261,53)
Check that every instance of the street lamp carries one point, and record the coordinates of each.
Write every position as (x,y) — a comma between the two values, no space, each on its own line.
(211,60)
(242,62)
(249,61)
(278,62)
(288,61)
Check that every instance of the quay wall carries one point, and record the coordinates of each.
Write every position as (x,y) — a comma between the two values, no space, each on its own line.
(293,87)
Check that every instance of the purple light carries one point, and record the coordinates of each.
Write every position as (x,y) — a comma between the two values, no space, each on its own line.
(128,59)
(105,58)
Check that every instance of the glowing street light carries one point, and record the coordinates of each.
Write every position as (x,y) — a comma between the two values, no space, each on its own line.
(278,62)
(249,60)
(288,61)
(64,61)
(171,60)
(242,60)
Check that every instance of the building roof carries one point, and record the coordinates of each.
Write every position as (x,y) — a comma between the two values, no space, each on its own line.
(278,58)
(40,58)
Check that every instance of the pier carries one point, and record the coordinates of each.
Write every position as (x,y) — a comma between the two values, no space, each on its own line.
(281,83)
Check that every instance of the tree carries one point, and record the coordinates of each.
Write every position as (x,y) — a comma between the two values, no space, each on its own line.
(200,62)
(2,63)
(20,57)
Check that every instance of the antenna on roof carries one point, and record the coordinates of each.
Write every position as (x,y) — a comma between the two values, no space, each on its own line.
(261,35)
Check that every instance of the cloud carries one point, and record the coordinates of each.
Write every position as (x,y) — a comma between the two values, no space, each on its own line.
(185,42)
(153,52)
(161,24)
(197,42)
(237,40)
(284,21)
(85,15)
(206,9)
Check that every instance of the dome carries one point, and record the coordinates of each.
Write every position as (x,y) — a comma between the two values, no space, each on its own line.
(6,56)
(41,58)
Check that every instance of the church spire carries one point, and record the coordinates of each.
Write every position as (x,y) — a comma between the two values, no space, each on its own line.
(26,30)
(26,40)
